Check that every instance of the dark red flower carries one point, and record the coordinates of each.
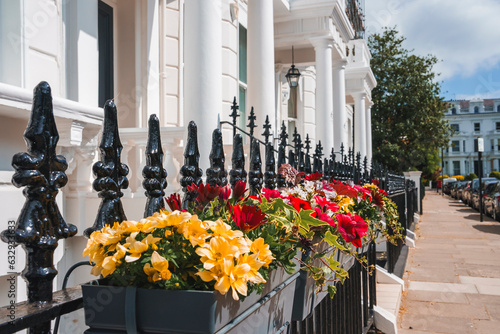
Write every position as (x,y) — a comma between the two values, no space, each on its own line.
(174,202)
(239,189)
(247,217)
(352,228)
(383,192)
(224,193)
(375,182)
(206,193)
(326,204)
(345,190)
(270,193)
(377,199)
(299,204)
(314,176)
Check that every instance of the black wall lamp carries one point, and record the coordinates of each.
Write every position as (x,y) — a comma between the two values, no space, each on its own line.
(293,74)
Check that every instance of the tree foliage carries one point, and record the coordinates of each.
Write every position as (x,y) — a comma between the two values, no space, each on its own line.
(407,115)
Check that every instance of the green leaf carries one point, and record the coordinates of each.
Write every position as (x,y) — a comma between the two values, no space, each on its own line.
(331,239)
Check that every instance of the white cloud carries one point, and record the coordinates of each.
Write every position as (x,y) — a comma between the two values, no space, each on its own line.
(464,34)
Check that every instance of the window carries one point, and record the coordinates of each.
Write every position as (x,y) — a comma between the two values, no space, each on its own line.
(492,145)
(497,126)
(456,167)
(476,109)
(498,144)
(477,127)
(464,146)
(455,146)
(455,127)
(105,44)
(242,65)
(453,111)
(498,108)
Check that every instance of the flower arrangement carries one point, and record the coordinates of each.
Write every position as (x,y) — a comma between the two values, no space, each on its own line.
(227,240)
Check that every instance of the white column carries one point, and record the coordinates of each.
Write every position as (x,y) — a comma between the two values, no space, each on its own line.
(203,70)
(260,61)
(153,62)
(360,134)
(324,99)
(369,150)
(339,111)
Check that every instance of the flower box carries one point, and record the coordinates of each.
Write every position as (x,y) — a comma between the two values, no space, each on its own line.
(306,298)
(112,309)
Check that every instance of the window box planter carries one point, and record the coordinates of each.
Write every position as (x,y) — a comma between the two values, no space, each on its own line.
(128,310)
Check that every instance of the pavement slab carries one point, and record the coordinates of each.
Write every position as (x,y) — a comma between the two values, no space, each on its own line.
(453,273)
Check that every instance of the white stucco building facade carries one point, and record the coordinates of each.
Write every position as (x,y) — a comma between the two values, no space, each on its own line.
(182,60)
(471,120)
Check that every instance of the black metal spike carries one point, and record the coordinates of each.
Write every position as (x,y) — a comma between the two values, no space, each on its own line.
(350,155)
(298,149)
(251,119)
(40,224)
(282,154)
(191,172)
(216,174)
(332,173)
(342,151)
(270,174)
(111,174)
(255,177)
(155,176)
(318,154)
(237,172)
(234,114)
(267,130)
(308,144)
(332,155)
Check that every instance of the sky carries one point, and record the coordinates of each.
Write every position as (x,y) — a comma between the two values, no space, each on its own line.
(463,34)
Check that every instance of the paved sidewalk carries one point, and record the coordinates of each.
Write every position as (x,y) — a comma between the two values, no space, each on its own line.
(453,274)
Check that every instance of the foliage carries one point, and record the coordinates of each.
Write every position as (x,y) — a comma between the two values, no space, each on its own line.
(407,115)
(231,243)
(470,177)
(458,177)
(495,174)
(442,177)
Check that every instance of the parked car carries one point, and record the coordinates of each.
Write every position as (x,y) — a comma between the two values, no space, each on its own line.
(492,202)
(455,188)
(489,188)
(467,193)
(475,190)
(461,190)
(447,183)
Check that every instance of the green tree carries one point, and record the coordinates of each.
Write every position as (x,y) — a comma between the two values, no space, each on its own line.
(407,115)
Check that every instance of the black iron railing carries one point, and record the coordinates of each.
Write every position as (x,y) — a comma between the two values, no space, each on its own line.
(40,225)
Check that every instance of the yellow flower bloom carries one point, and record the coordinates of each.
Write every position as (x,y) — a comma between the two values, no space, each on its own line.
(159,271)
(136,248)
(262,250)
(127,227)
(194,230)
(213,253)
(345,203)
(222,229)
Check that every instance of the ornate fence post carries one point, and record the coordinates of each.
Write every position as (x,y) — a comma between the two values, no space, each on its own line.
(255,172)
(234,115)
(281,154)
(307,164)
(191,172)
(40,224)
(270,174)
(317,166)
(216,174)
(111,174)
(237,172)
(251,125)
(155,176)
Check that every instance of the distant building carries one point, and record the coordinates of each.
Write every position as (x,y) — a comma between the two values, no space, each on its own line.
(473,119)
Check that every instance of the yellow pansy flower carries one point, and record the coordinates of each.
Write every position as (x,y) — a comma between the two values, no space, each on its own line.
(159,270)
(262,250)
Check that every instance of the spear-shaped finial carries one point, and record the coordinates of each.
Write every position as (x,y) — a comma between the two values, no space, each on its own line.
(234,114)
